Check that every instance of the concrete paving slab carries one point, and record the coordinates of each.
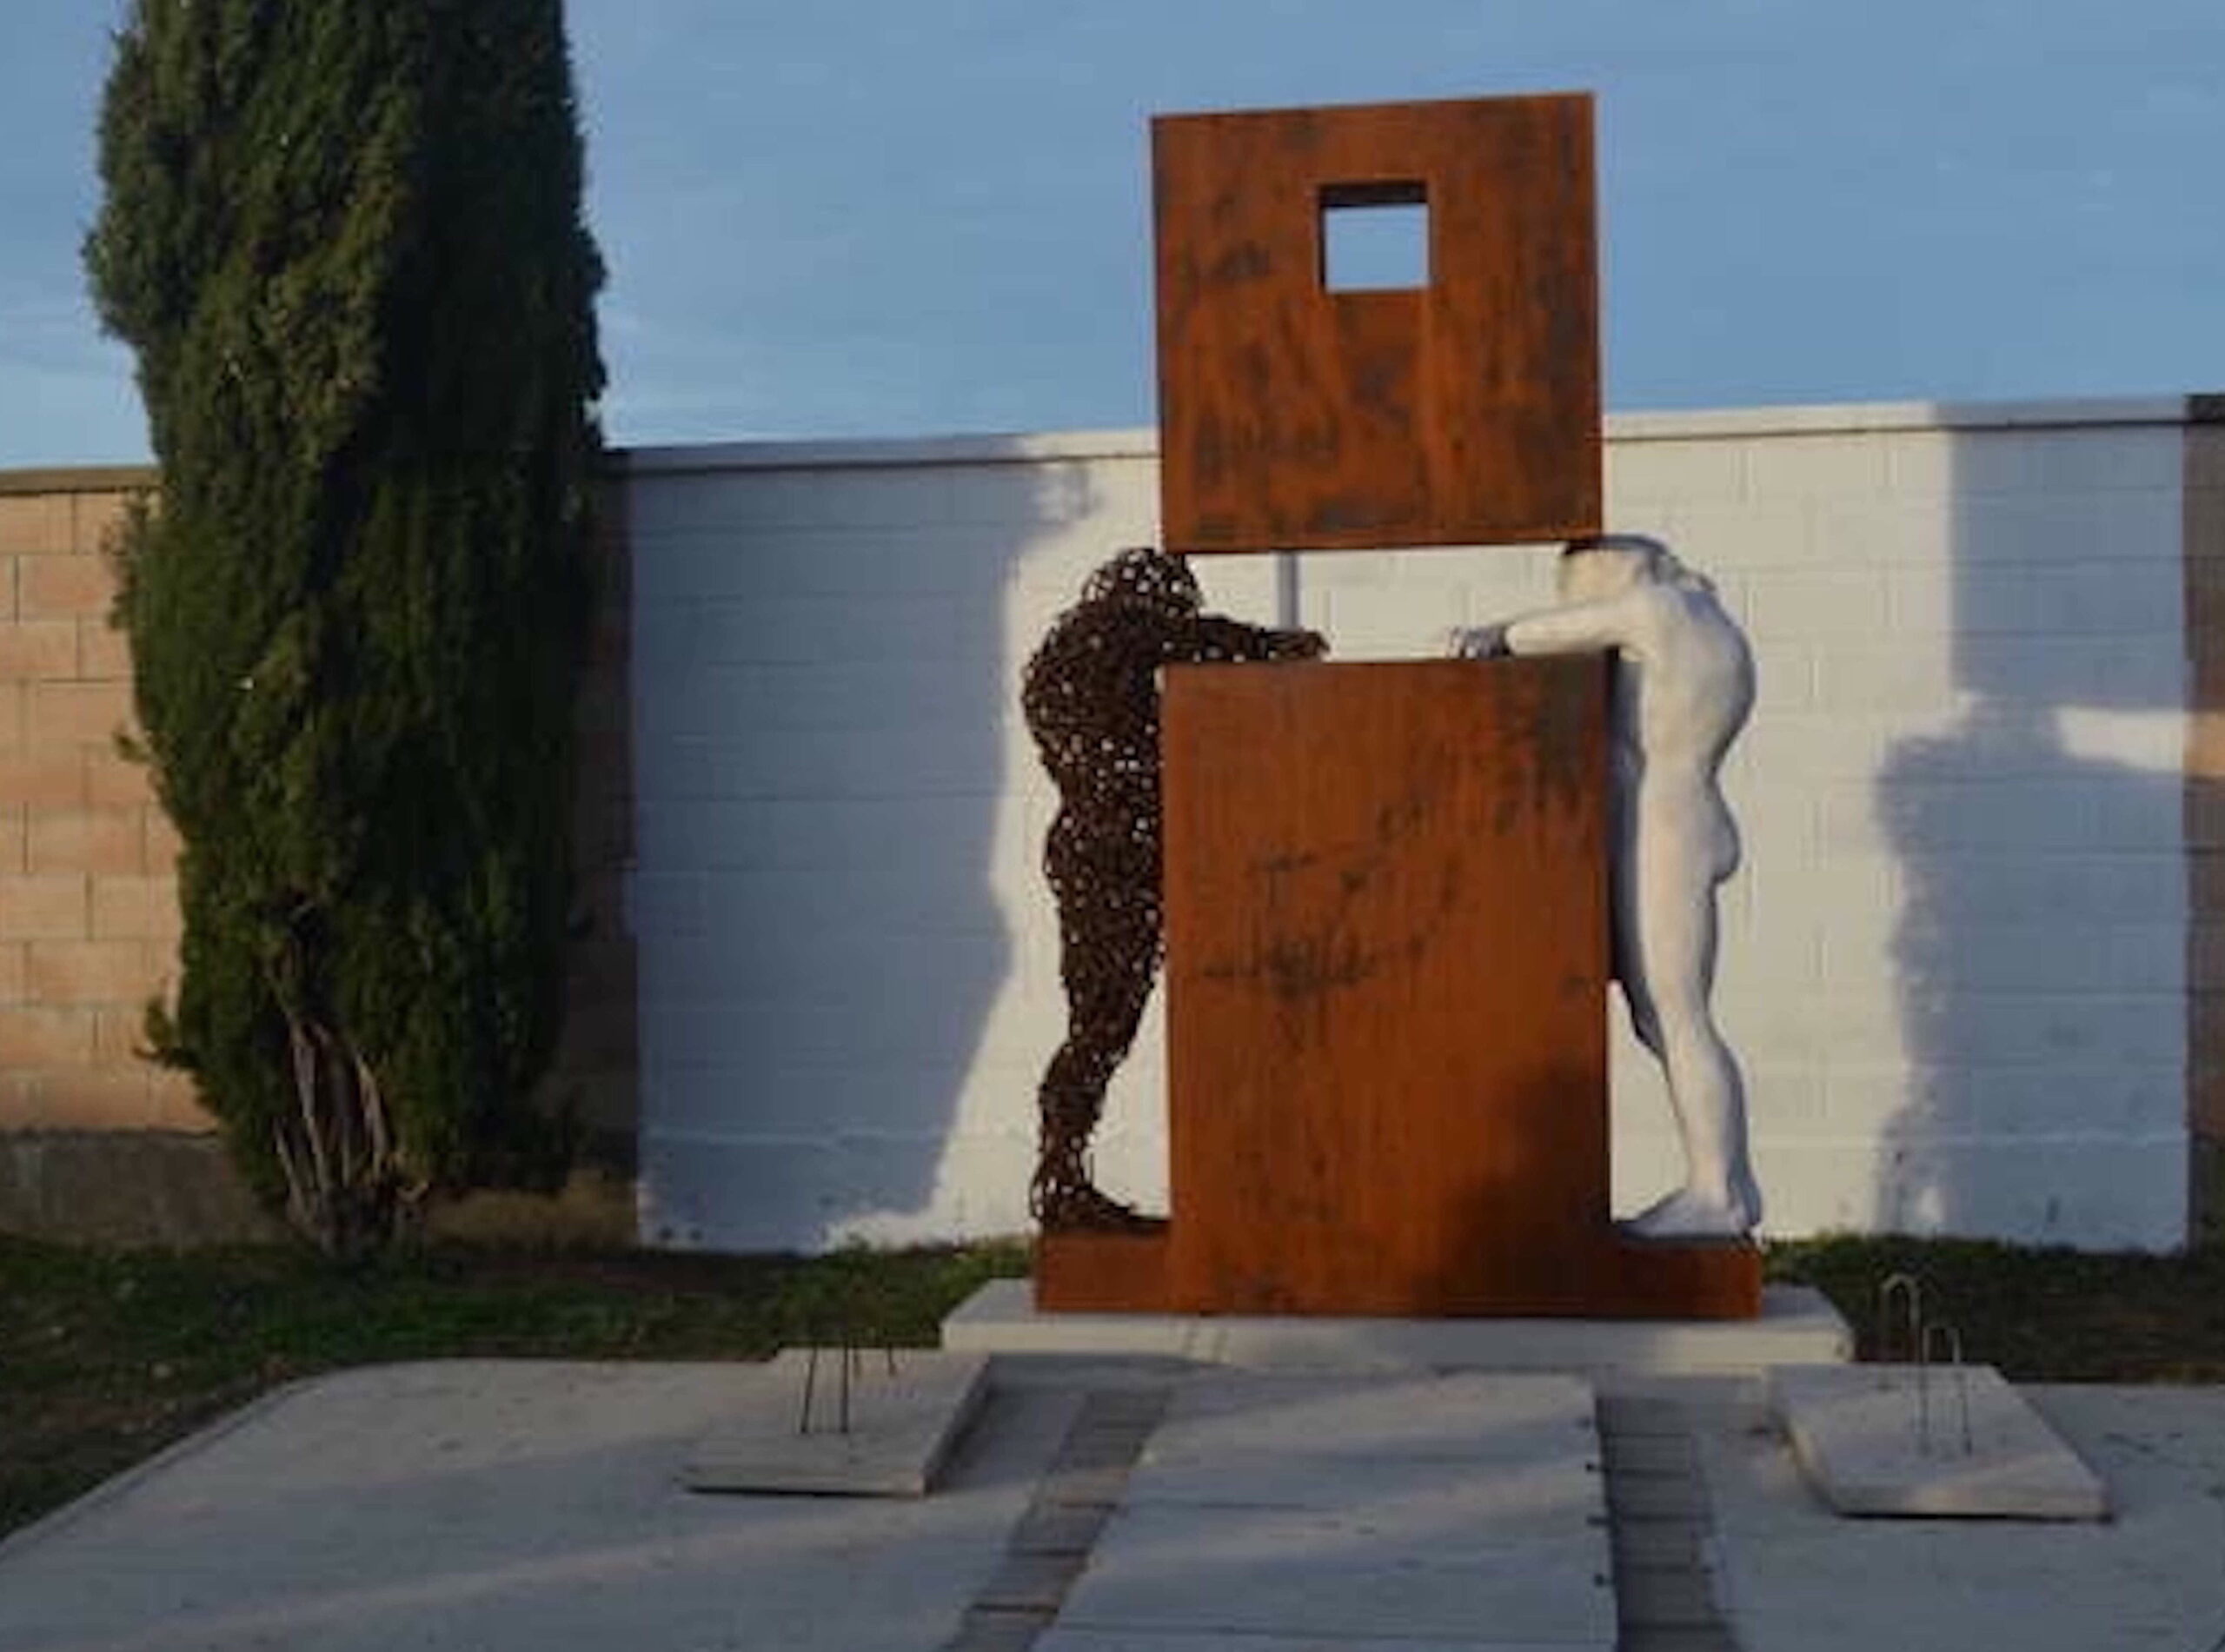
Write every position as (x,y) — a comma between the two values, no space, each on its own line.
(1899,1440)
(1453,1508)
(1797,1326)
(1371,1573)
(1796,1577)
(1415,1443)
(1062,1640)
(461,1506)
(906,1414)
(1490,1503)
(493,1505)
(1002,1318)
(1473,1417)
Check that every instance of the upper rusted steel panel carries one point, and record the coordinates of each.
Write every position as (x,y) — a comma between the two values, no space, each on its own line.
(1463,412)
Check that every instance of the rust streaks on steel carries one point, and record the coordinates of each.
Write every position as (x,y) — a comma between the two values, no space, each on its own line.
(1388,957)
(1465,411)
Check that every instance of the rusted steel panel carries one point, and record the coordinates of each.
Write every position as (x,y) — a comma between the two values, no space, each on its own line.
(1463,412)
(1605,1277)
(1079,1272)
(1386,1019)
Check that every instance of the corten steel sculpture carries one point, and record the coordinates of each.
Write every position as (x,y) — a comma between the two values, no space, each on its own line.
(1461,410)
(1683,683)
(1373,1107)
(1091,697)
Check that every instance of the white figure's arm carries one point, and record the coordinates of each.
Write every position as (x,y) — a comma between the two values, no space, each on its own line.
(1616,623)
(1619,622)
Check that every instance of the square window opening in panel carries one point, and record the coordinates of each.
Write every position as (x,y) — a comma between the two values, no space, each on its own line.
(1375,237)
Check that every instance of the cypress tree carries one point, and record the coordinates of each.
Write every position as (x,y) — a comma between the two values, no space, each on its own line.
(344,239)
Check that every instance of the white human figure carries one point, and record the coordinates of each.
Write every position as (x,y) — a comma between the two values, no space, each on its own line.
(1682,685)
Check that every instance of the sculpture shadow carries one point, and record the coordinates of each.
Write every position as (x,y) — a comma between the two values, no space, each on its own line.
(2036,842)
(828,731)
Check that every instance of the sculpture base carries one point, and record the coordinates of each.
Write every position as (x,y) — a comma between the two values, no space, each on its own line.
(1797,1326)
(1083,1272)
(1610,1276)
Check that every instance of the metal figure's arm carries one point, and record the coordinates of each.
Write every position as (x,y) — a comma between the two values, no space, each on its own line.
(1212,636)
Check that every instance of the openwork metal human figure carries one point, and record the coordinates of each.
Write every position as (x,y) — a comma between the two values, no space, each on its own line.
(1684,685)
(1090,697)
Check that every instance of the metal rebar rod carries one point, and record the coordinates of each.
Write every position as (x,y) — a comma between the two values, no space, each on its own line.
(1952,1339)
(810,1379)
(1910,1291)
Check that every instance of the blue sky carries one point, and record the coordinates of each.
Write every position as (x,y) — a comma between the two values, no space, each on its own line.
(854,218)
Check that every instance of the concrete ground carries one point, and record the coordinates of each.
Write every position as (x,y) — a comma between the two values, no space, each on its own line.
(539,1505)
(1796,1578)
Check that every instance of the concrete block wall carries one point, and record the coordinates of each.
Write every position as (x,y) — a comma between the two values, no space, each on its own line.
(2204,517)
(88,921)
(1971,963)
(1957,964)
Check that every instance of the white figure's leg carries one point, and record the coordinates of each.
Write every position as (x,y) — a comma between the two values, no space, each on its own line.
(1669,971)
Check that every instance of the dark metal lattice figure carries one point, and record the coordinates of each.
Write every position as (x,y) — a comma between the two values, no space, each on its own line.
(1091,699)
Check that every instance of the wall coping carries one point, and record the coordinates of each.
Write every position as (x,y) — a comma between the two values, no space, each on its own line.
(1142,442)
(77,478)
(1675,425)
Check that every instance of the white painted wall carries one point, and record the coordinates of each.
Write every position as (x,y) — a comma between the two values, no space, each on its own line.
(1955,965)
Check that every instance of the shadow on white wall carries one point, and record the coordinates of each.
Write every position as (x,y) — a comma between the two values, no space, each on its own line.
(825,721)
(2038,845)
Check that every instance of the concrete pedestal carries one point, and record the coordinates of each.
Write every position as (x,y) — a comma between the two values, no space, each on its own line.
(1797,1326)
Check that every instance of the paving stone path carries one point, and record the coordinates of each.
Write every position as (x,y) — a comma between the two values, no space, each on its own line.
(1661,1528)
(1052,1540)
(1433,1514)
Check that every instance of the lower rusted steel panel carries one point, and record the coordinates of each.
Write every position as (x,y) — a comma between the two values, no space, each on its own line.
(1386,1019)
